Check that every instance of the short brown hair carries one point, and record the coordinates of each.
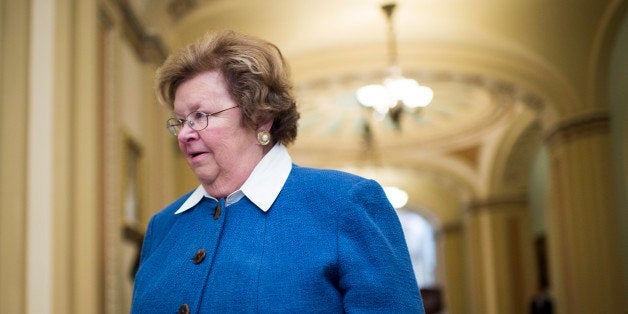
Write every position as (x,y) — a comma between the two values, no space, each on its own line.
(256,73)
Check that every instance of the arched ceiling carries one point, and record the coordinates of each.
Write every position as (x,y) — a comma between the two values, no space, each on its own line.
(486,61)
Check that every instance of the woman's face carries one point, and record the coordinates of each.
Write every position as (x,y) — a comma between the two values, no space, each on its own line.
(224,154)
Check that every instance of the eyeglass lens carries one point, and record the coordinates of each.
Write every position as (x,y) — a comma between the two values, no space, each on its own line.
(196,120)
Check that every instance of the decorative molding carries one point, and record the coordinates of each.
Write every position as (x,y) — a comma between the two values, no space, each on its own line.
(150,48)
(578,127)
(533,101)
(469,155)
(105,20)
(496,202)
(449,229)
(177,9)
(521,156)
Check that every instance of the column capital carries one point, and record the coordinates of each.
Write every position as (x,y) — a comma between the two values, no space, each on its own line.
(579,126)
(496,202)
(456,227)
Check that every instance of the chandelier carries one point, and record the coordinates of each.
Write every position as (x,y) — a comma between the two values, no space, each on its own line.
(396,94)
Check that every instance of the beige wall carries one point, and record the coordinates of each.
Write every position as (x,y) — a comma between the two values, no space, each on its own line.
(73,91)
(618,96)
(14,30)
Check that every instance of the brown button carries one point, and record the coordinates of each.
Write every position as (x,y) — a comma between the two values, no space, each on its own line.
(184,309)
(217,211)
(199,257)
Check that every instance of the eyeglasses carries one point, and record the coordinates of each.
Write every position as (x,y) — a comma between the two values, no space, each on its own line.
(196,120)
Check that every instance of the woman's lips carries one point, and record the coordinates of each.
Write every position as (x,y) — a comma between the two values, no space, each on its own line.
(197,155)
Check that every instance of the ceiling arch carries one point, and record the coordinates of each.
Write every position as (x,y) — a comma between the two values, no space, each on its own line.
(513,155)
(512,37)
(484,60)
(605,37)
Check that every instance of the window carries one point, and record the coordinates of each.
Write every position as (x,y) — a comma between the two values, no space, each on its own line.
(420,238)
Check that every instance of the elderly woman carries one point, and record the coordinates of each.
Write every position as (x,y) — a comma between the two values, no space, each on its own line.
(261,234)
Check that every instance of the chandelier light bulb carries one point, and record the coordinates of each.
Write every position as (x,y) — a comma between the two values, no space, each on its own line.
(397,197)
(383,97)
(375,96)
(420,96)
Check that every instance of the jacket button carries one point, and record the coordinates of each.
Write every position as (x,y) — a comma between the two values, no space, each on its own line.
(199,257)
(184,309)
(217,211)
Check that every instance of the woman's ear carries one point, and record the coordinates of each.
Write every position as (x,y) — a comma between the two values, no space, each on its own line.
(266,126)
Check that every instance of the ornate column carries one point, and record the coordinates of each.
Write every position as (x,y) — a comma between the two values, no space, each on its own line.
(450,241)
(583,230)
(501,268)
(14,148)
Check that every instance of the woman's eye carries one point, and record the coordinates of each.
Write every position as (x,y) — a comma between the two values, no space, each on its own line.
(198,115)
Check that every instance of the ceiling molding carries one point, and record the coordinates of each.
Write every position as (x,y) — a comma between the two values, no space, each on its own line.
(148,47)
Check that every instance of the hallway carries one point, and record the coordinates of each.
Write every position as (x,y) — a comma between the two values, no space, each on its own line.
(519,163)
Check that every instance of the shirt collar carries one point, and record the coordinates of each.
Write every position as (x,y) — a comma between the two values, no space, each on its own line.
(262,187)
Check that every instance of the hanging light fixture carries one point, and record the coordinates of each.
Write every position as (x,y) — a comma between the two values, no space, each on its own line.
(397,197)
(396,93)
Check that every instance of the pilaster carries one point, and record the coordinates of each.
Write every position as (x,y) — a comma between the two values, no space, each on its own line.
(14,60)
(584,248)
(450,240)
(500,255)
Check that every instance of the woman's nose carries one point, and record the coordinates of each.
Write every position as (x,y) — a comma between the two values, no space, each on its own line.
(187,133)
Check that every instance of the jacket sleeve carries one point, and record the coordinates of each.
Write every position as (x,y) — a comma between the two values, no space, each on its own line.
(375,272)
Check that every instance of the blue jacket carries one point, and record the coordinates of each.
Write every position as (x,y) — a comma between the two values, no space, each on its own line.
(330,243)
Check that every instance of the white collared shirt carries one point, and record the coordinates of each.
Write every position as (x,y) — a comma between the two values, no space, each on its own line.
(262,187)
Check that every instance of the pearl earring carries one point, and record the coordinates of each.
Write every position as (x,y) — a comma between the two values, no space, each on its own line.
(263,137)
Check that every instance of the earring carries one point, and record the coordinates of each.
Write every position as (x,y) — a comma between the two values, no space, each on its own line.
(263,137)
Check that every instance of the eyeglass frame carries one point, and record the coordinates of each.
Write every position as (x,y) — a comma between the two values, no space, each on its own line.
(172,123)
